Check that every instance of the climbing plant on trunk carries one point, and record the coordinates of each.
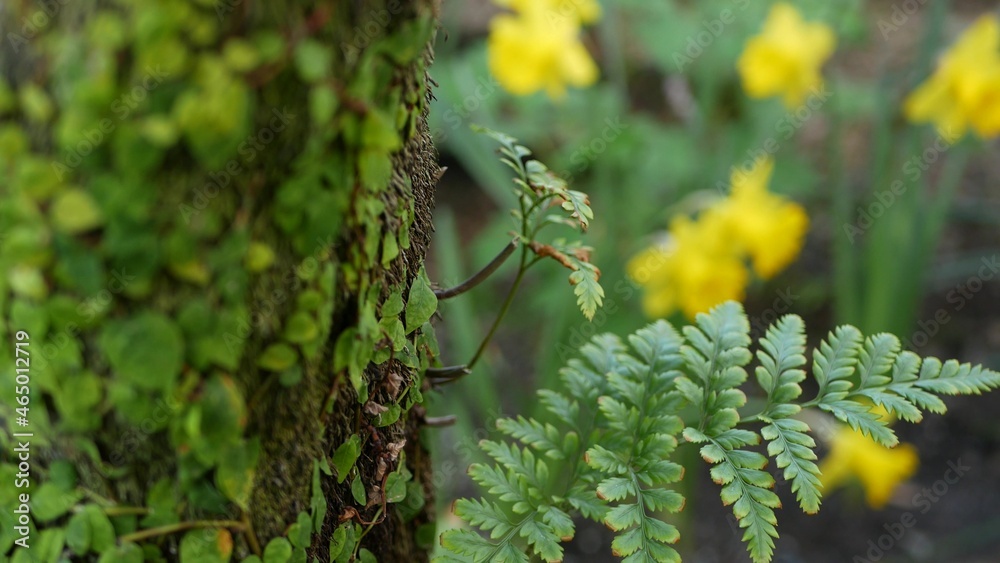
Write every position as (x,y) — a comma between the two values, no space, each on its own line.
(214,217)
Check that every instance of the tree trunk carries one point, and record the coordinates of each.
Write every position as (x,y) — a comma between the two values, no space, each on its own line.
(204,207)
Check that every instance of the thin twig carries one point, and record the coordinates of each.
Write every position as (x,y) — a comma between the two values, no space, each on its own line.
(125,510)
(503,308)
(479,276)
(440,421)
(450,372)
(180,527)
(251,535)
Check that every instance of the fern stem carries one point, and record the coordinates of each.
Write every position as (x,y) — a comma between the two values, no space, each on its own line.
(506,539)
(481,275)
(503,309)
(521,268)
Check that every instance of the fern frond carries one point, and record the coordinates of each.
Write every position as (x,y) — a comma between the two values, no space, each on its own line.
(478,548)
(793,451)
(657,348)
(584,377)
(583,498)
(952,378)
(584,276)
(621,405)
(542,531)
(745,485)
(531,474)
(512,153)
(834,362)
(716,355)
(577,203)
(498,483)
(839,357)
(486,515)
(863,418)
(781,356)
(545,438)
(634,458)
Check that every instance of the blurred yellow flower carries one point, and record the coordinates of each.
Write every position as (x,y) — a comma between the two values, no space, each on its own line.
(964,91)
(785,59)
(537,46)
(704,261)
(770,228)
(698,269)
(584,11)
(878,468)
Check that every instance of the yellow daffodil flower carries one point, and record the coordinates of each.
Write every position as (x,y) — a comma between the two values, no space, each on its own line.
(707,267)
(879,469)
(785,59)
(770,228)
(704,261)
(697,269)
(583,11)
(537,46)
(964,91)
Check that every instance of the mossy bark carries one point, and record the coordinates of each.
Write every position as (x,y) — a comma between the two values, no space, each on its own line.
(295,216)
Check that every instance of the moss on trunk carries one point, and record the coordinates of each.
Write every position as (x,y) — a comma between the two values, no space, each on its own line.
(207,206)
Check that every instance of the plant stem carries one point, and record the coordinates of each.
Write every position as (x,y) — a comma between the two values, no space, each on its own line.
(180,527)
(251,535)
(125,510)
(522,267)
(479,276)
(357,546)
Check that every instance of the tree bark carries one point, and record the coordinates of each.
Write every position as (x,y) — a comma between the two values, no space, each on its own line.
(204,208)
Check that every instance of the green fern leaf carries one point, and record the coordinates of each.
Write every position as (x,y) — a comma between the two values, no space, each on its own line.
(465,542)
(781,356)
(543,437)
(543,539)
(952,378)
(505,485)
(585,499)
(486,515)
(744,485)
(560,523)
(564,408)
(793,451)
(876,359)
(904,375)
(577,203)
(585,378)
(587,288)
(520,464)
(621,406)
(861,417)
(634,458)
(836,358)
(717,355)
